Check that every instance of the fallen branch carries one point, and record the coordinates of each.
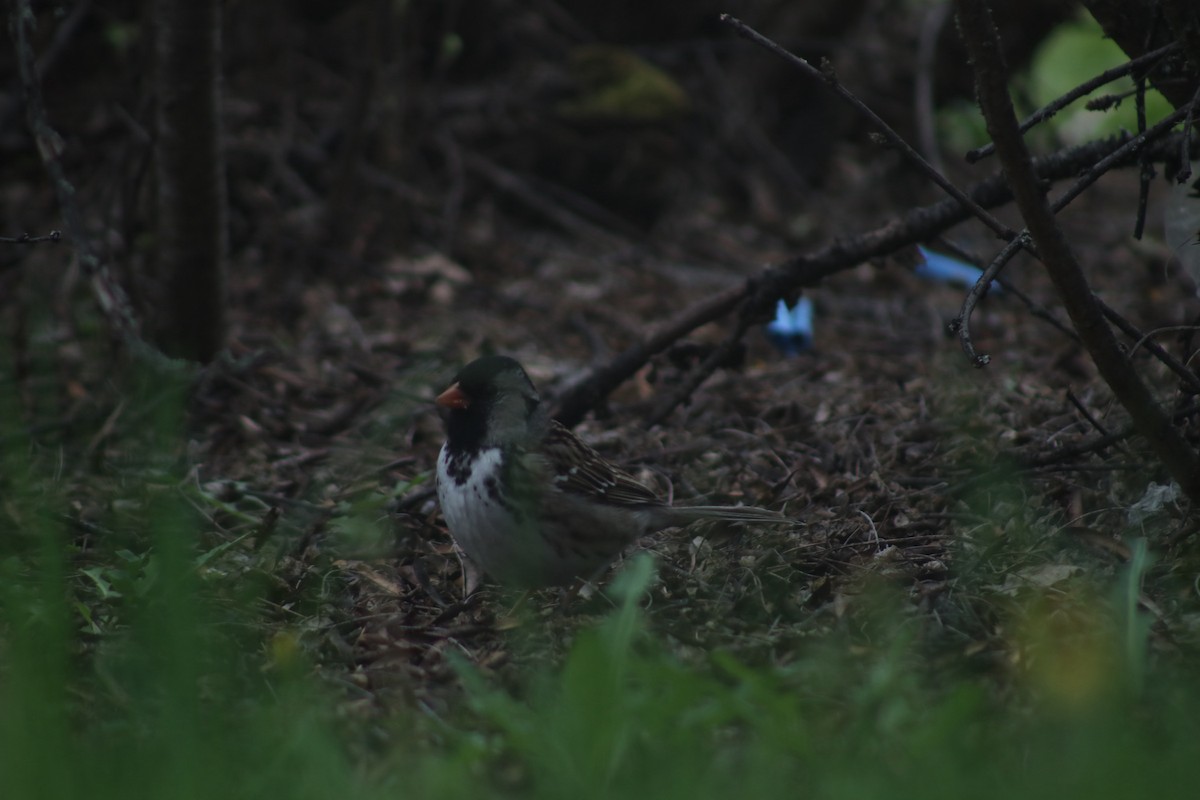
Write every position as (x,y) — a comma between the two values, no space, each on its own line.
(720,355)
(785,279)
(25,238)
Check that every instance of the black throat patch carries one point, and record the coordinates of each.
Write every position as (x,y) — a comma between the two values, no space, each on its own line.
(466,427)
(459,464)
(505,486)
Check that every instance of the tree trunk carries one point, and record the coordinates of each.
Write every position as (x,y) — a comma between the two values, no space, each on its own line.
(191,181)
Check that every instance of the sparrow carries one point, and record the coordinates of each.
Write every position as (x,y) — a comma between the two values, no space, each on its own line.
(530,503)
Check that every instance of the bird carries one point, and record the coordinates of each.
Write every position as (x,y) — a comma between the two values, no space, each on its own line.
(527,500)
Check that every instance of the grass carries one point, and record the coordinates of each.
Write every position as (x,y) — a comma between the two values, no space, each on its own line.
(144,660)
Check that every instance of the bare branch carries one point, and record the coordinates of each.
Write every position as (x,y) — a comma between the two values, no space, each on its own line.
(962,323)
(25,238)
(715,359)
(1118,156)
(1146,173)
(1186,375)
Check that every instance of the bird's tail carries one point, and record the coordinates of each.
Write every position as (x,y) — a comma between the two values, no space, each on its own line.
(680,516)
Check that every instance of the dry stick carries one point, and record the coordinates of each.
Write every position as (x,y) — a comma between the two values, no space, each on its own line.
(1181,370)
(827,75)
(585,395)
(25,238)
(1147,339)
(1146,173)
(1057,104)
(113,300)
(1095,423)
(983,44)
(715,359)
(1036,310)
(1118,155)
(1106,101)
(918,225)
(962,323)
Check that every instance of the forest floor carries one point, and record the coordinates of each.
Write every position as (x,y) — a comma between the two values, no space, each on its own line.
(986,513)
(901,464)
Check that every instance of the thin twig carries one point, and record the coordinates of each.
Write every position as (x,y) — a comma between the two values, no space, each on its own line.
(1056,105)
(1082,409)
(700,374)
(719,355)
(1185,374)
(25,238)
(1146,173)
(1147,339)
(826,74)
(588,393)
(1017,242)
(1106,101)
(962,323)
(1117,156)
(1035,309)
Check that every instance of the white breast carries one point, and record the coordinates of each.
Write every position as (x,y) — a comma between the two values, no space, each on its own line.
(486,531)
(506,539)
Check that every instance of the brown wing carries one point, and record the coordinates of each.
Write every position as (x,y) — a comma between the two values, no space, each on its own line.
(579,469)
